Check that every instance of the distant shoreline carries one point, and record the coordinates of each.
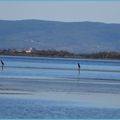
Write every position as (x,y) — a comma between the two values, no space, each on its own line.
(61,54)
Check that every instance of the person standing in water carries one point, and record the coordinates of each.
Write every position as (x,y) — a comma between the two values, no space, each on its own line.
(2,64)
(79,68)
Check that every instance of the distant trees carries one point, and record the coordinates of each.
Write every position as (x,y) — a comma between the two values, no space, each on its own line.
(104,55)
(65,54)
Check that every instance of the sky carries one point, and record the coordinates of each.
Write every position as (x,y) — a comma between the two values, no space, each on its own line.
(107,12)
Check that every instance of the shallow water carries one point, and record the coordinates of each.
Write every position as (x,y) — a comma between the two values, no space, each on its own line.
(35,87)
(35,67)
(27,108)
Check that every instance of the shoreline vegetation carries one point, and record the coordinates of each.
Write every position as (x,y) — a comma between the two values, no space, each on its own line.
(62,54)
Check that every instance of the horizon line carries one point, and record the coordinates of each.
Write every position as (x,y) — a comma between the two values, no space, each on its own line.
(45,20)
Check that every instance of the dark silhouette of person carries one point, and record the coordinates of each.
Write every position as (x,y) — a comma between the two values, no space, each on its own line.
(79,68)
(2,64)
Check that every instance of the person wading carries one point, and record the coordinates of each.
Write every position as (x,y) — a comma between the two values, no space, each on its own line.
(2,63)
(78,68)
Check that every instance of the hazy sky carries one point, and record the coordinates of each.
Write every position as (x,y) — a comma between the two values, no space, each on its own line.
(108,12)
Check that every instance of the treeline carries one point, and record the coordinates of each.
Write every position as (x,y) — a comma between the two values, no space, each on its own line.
(64,54)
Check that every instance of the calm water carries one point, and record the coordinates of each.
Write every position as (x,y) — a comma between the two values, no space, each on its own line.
(55,89)
(35,109)
(38,67)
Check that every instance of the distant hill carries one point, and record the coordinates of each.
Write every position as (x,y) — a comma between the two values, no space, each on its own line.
(78,37)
